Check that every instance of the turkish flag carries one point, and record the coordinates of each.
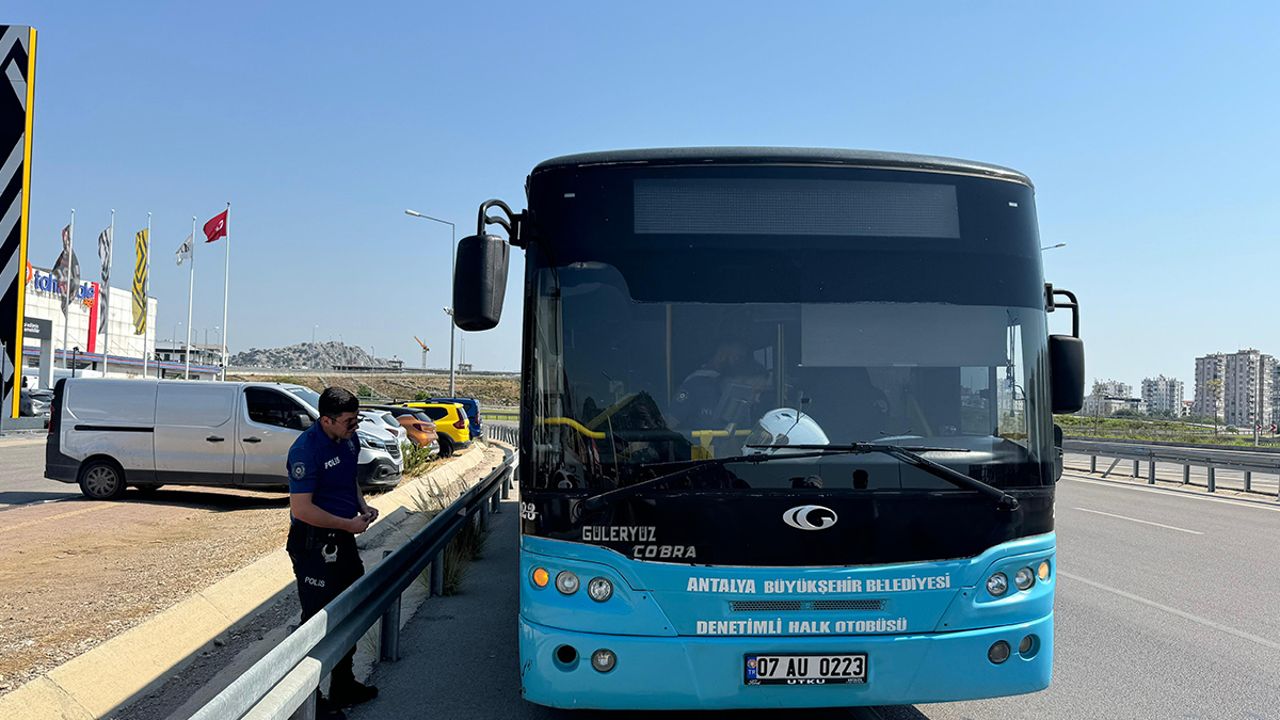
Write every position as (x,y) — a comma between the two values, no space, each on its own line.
(216,227)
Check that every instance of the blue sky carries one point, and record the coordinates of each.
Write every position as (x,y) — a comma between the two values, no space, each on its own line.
(1149,130)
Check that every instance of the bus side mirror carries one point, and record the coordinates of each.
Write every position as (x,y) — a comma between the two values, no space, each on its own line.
(1066,373)
(480,281)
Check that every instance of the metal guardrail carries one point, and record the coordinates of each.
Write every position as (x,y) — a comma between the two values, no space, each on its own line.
(508,433)
(1244,461)
(283,683)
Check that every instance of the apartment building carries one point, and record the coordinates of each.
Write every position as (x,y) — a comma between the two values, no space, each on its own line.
(1162,396)
(1248,388)
(1109,396)
(1210,379)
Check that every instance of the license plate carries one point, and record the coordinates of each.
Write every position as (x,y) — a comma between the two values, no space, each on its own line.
(805,669)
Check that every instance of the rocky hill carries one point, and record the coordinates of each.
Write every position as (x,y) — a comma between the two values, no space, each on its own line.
(303,356)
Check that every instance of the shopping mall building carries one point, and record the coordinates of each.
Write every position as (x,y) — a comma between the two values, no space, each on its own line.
(57,345)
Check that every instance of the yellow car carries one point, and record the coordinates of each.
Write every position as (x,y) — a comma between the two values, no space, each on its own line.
(451,424)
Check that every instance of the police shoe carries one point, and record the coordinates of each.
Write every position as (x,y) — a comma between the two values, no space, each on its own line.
(327,710)
(352,693)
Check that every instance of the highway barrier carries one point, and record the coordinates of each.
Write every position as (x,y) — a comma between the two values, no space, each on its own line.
(1246,462)
(508,433)
(283,683)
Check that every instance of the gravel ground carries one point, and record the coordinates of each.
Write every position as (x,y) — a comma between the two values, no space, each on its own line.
(76,573)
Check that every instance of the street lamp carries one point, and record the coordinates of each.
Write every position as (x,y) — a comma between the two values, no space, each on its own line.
(1053,247)
(449,311)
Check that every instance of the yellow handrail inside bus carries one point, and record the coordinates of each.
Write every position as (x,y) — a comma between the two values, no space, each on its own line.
(570,422)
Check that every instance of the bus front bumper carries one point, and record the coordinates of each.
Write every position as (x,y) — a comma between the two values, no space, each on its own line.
(684,673)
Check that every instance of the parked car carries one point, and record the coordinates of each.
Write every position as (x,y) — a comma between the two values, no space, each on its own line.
(472,407)
(381,458)
(109,434)
(34,402)
(386,421)
(451,424)
(421,429)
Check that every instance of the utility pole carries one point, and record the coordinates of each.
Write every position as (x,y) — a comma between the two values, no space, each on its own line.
(453,262)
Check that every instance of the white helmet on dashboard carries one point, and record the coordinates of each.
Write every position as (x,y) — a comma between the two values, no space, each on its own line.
(782,427)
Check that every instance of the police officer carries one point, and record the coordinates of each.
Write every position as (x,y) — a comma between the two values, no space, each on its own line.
(328,512)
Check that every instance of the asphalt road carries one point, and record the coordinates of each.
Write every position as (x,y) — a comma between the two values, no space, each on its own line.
(1166,608)
(22,478)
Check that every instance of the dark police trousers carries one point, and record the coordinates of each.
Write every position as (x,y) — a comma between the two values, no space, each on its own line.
(325,562)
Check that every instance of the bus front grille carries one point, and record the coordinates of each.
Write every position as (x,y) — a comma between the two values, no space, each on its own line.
(802,605)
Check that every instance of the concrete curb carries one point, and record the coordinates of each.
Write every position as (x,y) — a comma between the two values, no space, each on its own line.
(141,659)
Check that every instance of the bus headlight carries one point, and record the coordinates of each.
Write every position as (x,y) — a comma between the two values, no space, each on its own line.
(603,660)
(998,652)
(600,589)
(567,582)
(997,584)
(1043,570)
(1024,578)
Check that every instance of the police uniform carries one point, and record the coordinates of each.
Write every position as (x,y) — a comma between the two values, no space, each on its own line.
(325,561)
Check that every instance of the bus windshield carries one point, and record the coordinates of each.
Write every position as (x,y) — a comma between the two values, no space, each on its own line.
(631,383)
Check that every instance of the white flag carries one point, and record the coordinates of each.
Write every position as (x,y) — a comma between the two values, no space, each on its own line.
(184,252)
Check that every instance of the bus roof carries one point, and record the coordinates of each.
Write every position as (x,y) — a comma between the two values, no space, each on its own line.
(783,156)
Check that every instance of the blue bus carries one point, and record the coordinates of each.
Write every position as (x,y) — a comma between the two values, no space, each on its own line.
(786,433)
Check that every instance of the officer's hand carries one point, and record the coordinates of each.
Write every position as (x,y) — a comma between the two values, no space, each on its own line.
(370,514)
(357,524)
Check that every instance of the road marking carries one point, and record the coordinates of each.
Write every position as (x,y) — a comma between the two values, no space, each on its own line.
(1175,611)
(59,516)
(1144,522)
(1171,493)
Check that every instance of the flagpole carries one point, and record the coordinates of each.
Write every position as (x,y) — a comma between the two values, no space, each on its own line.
(106,308)
(191,288)
(146,303)
(226,285)
(71,241)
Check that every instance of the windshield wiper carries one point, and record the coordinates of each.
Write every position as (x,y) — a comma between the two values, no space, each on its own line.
(911,456)
(604,499)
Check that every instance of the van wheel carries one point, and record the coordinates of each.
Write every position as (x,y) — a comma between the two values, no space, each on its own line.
(446,446)
(102,480)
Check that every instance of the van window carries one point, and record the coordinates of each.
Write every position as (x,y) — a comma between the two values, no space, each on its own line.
(268,407)
(193,405)
(435,413)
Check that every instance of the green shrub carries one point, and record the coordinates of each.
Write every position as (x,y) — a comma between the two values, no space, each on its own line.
(466,546)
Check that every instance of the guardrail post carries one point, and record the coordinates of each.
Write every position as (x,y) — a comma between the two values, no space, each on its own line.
(1186,474)
(1151,472)
(1135,469)
(482,521)
(506,487)
(1093,463)
(1248,480)
(390,645)
(1213,486)
(495,506)
(437,574)
(307,710)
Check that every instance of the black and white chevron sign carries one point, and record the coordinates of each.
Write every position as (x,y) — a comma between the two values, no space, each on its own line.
(17,78)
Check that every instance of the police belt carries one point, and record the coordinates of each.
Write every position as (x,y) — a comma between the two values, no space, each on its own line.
(309,537)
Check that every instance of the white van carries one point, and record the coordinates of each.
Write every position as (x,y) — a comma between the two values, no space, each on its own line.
(106,434)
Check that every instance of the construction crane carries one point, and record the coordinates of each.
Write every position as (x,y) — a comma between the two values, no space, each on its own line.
(425,350)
